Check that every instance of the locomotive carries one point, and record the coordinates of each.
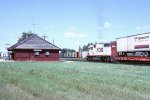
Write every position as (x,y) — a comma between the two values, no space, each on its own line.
(102,52)
(135,48)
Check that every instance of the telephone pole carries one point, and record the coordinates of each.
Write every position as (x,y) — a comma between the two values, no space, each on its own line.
(33,24)
(53,41)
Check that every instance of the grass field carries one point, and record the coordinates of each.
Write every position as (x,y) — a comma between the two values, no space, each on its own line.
(73,81)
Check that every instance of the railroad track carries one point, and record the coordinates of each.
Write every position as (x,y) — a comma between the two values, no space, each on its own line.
(84,60)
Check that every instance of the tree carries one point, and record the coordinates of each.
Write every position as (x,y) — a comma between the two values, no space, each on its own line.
(25,35)
(85,47)
(80,49)
(65,50)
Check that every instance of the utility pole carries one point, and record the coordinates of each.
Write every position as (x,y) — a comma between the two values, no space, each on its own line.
(7,56)
(33,24)
(53,41)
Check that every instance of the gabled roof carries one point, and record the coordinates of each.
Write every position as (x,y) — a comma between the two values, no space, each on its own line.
(33,42)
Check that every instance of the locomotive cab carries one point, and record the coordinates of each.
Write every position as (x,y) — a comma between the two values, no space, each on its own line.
(91,50)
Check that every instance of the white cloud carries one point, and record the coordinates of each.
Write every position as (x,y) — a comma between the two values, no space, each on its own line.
(138,28)
(100,28)
(145,27)
(73,28)
(74,35)
(107,25)
(142,27)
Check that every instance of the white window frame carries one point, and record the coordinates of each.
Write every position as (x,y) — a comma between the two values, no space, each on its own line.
(47,53)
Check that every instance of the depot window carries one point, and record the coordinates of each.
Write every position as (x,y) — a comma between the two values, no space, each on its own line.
(37,53)
(47,53)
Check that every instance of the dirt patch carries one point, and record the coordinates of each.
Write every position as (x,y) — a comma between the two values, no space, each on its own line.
(3,60)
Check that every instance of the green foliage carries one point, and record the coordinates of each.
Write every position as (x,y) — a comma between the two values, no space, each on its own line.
(65,50)
(25,35)
(85,47)
(73,81)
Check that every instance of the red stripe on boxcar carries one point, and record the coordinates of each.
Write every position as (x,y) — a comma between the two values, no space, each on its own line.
(141,46)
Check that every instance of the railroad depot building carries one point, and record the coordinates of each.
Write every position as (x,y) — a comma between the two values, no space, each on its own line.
(34,48)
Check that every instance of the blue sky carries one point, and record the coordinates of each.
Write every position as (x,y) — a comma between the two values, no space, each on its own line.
(73,22)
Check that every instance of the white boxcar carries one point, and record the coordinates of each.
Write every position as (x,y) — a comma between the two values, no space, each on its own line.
(139,42)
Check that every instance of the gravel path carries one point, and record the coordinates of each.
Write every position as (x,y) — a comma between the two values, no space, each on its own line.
(3,60)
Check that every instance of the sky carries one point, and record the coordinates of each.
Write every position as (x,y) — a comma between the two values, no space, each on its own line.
(73,23)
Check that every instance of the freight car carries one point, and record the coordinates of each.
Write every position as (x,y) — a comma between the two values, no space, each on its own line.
(135,48)
(70,54)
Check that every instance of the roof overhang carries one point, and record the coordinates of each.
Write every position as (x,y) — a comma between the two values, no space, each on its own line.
(31,49)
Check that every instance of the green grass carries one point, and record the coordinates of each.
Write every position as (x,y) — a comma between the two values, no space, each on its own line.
(73,81)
